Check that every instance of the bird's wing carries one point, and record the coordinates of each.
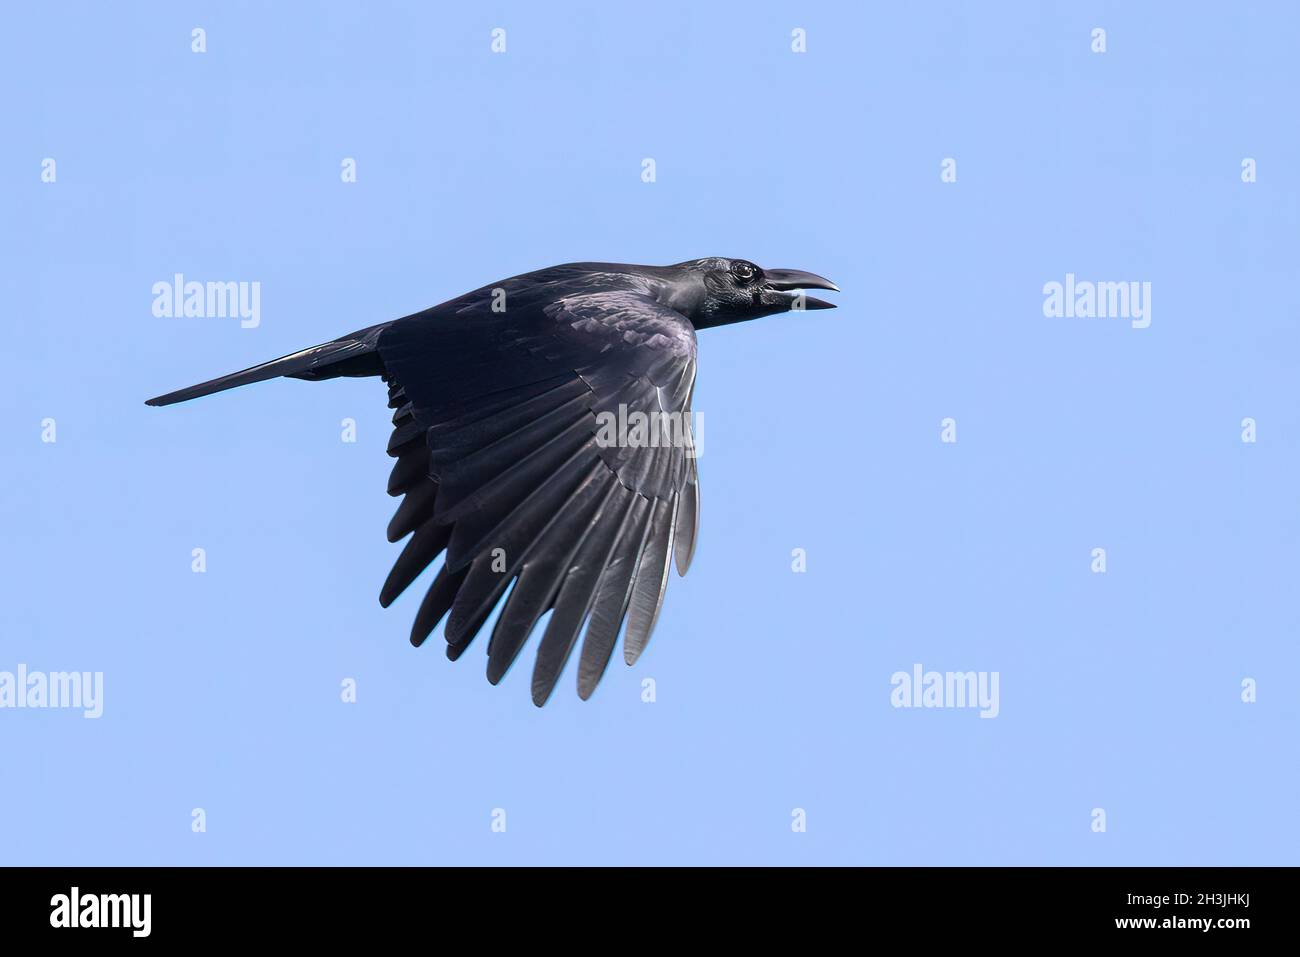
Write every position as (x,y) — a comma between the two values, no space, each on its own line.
(511,460)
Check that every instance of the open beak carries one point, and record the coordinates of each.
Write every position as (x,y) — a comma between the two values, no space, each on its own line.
(784,280)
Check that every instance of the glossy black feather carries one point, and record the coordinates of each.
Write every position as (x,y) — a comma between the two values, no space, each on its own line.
(578,591)
(651,581)
(424,546)
(437,602)
(416,508)
(612,597)
(543,569)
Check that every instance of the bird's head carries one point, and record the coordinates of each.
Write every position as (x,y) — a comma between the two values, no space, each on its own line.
(718,291)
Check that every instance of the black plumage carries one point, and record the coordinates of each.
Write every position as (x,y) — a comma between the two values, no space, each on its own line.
(501,462)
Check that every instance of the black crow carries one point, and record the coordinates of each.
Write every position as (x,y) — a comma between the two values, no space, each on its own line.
(505,398)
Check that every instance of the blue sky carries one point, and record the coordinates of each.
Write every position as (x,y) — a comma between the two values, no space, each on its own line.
(1119,691)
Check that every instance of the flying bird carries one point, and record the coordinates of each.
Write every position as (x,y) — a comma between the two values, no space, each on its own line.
(502,462)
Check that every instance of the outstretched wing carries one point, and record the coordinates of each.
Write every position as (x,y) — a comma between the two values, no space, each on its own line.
(546,446)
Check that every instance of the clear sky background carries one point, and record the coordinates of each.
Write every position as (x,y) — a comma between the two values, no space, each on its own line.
(1120,691)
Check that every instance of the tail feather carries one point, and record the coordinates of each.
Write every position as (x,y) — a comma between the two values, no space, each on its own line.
(356,354)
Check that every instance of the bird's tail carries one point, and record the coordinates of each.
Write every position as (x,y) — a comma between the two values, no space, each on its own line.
(352,355)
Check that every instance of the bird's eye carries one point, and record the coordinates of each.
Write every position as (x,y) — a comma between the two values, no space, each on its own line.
(743,271)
